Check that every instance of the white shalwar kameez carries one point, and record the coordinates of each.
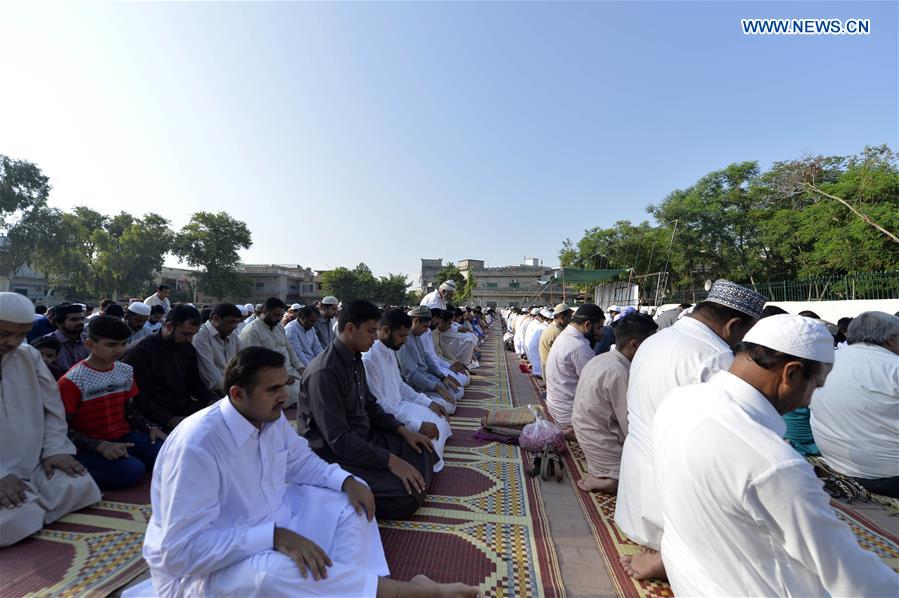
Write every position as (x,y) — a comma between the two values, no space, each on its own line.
(445,366)
(532,346)
(567,358)
(518,339)
(32,428)
(744,513)
(433,300)
(688,352)
(221,486)
(382,372)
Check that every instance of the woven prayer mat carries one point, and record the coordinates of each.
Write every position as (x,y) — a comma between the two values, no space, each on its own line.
(483,523)
(91,552)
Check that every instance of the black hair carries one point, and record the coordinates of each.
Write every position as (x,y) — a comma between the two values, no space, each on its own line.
(308,310)
(108,327)
(106,303)
(457,312)
(183,313)
(446,315)
(205,314)
(721,314)
(115,310)
(358,312)
(396,319)
(685,305)
(243,369)
(40,309)
(436,312)
(156,309)
(49,341)
(843,324)
(162,287)
(273,303)
(633,326)
(224,310)
(809,314)
(588,312)
(772,310)
(768,359)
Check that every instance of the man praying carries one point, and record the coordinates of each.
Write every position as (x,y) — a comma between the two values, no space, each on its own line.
(216,344)
(419,369)
(441,296)
(561,319)
(160,298)
(69,321)
(267,331)
(302,336)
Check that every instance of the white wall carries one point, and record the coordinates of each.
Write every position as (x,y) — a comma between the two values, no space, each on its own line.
(831,311)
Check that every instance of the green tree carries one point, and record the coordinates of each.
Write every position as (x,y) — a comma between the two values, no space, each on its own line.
(209,243)
(130,251)
(25,218)
(450,272)
(467,289)
(392,289)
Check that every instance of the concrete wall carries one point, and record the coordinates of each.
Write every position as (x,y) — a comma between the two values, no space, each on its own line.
(831,311)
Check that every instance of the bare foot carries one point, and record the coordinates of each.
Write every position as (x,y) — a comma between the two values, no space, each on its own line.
(647,565)
(594,484)
(569,433)
(444,590)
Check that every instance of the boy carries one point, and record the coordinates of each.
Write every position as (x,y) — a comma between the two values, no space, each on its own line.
(49,349)
(114,442)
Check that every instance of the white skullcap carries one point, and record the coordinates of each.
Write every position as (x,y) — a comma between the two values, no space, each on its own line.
(16,308)
(243,310)
(330,300)
(140,308)
(535,311)
(546,314)
(794,335)
(296,306)
(448,285)
(616,308)
(250,308)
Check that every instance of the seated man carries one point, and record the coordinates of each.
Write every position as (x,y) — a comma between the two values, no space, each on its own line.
(302,527)
(166,370)
(430,341)
(33,439)
(136,317)
(745,515)
(569,354)
(344,424)
(69,321)
(599,417)
(216,344)
(302,336)
(415,410)
(266,331)
(461,340)
(324,325)
(561,319)
(855,417)
(114,442)
(441,321)
(157,317)
(420,371)
(532,341)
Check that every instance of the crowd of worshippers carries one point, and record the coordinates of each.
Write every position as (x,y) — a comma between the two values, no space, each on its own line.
(699,421)
(197,397)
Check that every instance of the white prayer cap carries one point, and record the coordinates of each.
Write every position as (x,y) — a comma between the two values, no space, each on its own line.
(330,300)
(616,308)
(140,308)
(296,306)
(535,311)
(561,309)
(243,310)
(448,285)
(250,307)
(16,308)
(794,335)
(546,314)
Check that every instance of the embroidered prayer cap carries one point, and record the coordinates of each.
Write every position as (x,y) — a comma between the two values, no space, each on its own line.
(330,300)
(420,311)
(561,309)
(448,285)
(732,295)
(16,308)
(139,307)
(794,335)
(546,314)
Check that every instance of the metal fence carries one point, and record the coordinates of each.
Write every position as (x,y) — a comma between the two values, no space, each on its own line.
(871,285)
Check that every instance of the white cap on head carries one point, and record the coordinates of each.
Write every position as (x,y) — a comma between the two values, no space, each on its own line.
(296,306)
(250,307)
(794,335)
(546,314)
(448,285)
(535,311)
(330,300)
(243,310)
(16,308)
(140,308)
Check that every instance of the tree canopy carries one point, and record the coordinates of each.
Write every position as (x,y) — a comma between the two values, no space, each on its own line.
(359,283)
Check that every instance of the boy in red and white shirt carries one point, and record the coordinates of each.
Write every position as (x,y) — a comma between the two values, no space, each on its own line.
(115,443)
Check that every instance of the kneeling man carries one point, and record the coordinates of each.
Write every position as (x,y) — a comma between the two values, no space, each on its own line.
(242,507)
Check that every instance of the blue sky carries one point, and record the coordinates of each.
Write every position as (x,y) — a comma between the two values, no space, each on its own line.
(339,131)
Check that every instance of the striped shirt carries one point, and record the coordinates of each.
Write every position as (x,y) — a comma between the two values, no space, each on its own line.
(95,399)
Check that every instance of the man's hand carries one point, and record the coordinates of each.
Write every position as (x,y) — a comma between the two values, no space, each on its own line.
(443,392)
(437,408)
(451,383)
(155,434)
(429,430)
(304,552)
(12,492)
(64,463)
(360,496)
(416,440)
(458,367)
(407,474)
(114,450)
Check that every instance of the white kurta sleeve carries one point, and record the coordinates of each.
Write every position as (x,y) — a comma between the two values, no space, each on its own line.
(791,503)
(56,430)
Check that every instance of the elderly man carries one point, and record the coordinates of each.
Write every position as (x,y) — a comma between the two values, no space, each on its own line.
(166,370)
(599,417)
(416,410)
(344,423)
(216,344)
(568,356)
(33,435)
(561,319)
(69,321)
(266,331)
(855,417)
(302,337)
(301,527)
(532,341)
(160,297)
(745,515)
(420,371)
(136,317)
(689,352)
(441,296)
(325,324)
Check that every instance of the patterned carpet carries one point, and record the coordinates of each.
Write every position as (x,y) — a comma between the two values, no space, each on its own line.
(600,511)
(91,552)
(483,523)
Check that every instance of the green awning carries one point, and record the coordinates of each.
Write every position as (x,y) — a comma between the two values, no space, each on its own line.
(575,276)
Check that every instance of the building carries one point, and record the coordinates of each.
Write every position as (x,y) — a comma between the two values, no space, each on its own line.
(28,282)
(291,283)
(511,285)
(429,270)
